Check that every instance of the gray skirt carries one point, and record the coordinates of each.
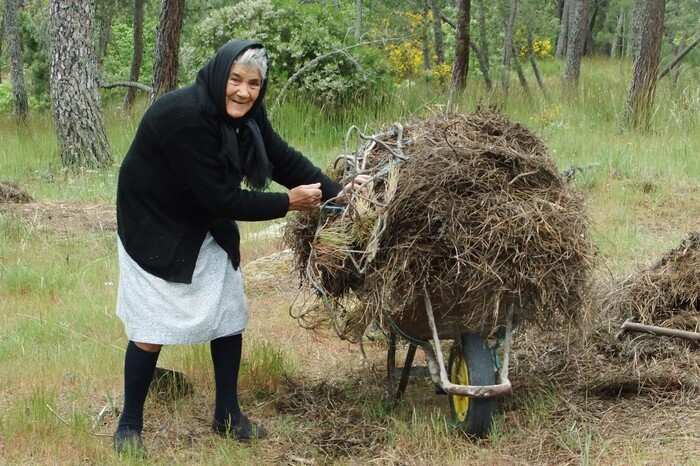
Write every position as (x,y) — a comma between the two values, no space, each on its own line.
(165,313)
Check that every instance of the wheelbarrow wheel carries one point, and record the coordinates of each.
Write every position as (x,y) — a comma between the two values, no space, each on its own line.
(471,363)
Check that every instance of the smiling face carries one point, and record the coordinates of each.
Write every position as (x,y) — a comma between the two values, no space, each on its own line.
(242,89)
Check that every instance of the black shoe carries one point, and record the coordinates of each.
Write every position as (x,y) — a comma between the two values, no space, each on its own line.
(128,442)
(243,429)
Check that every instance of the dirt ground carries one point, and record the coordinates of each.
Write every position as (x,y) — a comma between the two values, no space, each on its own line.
(630,402)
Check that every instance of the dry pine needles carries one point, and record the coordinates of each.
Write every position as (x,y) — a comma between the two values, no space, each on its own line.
(469,209)
(666,294)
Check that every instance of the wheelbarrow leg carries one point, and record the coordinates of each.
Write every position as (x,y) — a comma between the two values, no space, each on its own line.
(395,396)
(391,364)
(406,372)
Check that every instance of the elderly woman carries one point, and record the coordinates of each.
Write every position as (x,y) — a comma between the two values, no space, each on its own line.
(178,199)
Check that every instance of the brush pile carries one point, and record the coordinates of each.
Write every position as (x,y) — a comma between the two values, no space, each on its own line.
(666,294)
(466,208)
(11,193)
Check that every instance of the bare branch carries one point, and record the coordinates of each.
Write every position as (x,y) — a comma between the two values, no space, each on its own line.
(135,84)
(678,58)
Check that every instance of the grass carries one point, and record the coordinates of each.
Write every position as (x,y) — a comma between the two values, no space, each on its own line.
(61,346)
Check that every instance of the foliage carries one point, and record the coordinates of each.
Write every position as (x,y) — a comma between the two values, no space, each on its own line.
(293,36)
(543,48)
(58,291)
(5,97)
(117,62)
(34,26)
(405,56)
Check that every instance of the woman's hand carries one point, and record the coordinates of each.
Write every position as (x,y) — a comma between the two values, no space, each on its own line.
(344,195)
(305,197)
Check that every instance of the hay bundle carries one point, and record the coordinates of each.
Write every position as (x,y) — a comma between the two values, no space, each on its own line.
(667,293)
(468,208)
(11,193)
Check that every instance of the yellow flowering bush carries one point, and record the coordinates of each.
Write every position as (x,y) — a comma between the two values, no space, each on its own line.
(441,72)
(543,48)
(547,116)
(405,60)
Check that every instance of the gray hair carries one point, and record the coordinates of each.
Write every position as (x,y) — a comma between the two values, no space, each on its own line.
(256,58)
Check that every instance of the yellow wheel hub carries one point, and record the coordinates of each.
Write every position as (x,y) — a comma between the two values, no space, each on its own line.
(460,375)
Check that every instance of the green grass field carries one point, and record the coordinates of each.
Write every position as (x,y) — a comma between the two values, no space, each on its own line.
(62,346)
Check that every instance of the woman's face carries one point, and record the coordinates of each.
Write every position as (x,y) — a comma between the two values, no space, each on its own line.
(242,89)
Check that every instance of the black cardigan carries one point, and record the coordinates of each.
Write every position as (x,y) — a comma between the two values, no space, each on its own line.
(175,186)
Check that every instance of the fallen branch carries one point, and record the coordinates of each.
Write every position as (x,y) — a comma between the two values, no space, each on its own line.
(678,58)
(137,85)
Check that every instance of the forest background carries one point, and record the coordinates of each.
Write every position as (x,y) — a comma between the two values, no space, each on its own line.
(335,64)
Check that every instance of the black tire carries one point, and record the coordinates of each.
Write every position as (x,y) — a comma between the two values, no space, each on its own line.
(471,363)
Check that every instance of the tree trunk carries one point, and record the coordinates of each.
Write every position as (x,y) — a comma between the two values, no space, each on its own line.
(437,31)
(167,47)
(2,35)
(20,102)
(588,41)
(519,71)
(563,36)
(461,63)
(138,54)
(483,54)
(578,28)
(635,36)
(602,23)
(640,99)
(425,35)
(105,32)
(508,44)
(480,54)
(75,101)
(616,46)
(358,20)
(533,60)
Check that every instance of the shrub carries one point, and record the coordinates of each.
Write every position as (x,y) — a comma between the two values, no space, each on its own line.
(293,37)
(116,65)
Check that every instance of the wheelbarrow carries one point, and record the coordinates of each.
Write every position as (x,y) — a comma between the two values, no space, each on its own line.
(474,376)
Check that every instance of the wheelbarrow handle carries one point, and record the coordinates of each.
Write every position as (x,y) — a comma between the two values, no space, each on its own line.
(631,326)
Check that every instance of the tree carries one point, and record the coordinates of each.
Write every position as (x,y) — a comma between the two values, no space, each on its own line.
(635,33)
(563,36)
(578,29)
(483,54)
(508,42)
(533,60)
(679,56)
(75,101)
(616,46)
(14,51)
(358,20)
(2,34)
(167,47)
(437,31)
(137,57)
(461,62)
(640,99)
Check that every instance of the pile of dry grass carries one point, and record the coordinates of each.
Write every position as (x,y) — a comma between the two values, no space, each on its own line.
(10,192)
(666,294)
(467,208)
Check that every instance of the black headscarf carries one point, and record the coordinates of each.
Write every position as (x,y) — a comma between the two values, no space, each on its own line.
(242,145)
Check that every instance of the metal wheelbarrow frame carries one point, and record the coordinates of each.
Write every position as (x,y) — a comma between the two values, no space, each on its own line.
(471,416)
